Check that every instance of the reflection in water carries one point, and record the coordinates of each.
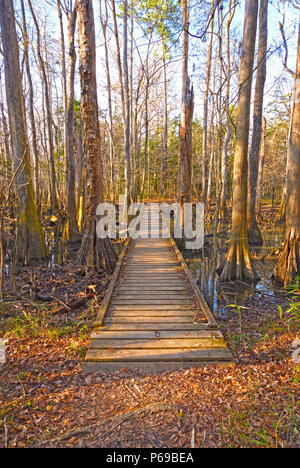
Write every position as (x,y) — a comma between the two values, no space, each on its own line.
(219,296)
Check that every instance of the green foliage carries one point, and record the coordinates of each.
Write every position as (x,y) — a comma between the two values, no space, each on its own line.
(163,16)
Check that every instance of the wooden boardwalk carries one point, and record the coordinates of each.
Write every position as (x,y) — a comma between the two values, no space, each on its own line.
(154,317)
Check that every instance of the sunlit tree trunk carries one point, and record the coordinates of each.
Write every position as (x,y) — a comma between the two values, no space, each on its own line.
(127,104)
(186,117)
(254,235)
(119,62)
(205,106)
(104,23)
(31,107)
(224,163)
(72,225)
(164,157)
(237,265)
(54,202)
(261,165)
(94,252)
(5,132)
(31,244)
(288,266)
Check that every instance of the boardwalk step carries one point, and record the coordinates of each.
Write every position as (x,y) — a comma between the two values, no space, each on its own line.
(151,334)
(151,325)
(161,354)
(153,313)
(141,319)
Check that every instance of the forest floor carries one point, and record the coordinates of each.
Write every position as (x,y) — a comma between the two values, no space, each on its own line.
(45,401)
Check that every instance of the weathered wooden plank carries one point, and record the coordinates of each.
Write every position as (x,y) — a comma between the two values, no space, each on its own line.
(116,307)
(211,335)
(153,314)
(146,289)
(152,326)
(162,319)
(171,343)
(149,367)
(151,302)
(193,284)
(177,354)
(142,294)
(108,295)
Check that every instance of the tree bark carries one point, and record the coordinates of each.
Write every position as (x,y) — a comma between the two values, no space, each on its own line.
(72,225)
(254,235)
(94,252)
(54,202)
(186,117)
(261,166)
(224,170)
(31,244)
(288,266)
(205,107)
(104,23)
(127,105)
(237,265)
(31,107)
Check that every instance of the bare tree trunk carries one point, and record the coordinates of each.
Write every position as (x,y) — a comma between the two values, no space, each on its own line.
(104,23)
(7,151)
(146,147)
(54,202)
(254,235)
(238,265)
(212,136)
(261,165)
(186,118)
(127,105)
(288,266)
(164,167)
(31,244)
(205,109)
(31,106)
(72,225)
(224,171)
(94,252)
(119,62)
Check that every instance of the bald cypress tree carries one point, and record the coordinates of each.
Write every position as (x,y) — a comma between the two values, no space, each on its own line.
(30,242)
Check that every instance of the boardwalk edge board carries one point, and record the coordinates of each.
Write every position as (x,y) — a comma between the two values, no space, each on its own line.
(109,293)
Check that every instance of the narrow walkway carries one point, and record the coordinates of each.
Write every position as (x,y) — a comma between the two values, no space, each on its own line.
(154,317)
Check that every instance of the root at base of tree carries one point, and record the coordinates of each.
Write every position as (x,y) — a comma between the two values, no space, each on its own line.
(254,235)
(237,266)
(288,266)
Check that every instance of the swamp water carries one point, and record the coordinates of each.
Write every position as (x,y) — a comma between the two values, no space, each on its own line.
(204,264)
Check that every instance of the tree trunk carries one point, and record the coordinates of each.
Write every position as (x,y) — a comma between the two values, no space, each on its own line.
(224,171)
(127,105)
(54,202)
(94,252)
(119,62)
(104,23)
(72,225)
(186,117)
(164,158)
(237,265)
(205,108)
(288,266)
(31,244)
(261,165)
(31,107)
(254,235)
